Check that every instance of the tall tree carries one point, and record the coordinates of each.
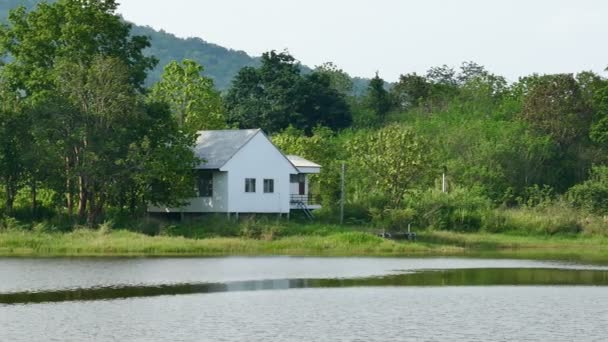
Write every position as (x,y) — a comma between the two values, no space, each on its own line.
(69,29)
(410,90)
(339,79)
(377,98)
(14,143)
(192,98)
(390,161)
(276,95)
(555,106)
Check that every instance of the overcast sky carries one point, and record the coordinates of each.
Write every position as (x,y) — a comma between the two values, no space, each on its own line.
(509,37)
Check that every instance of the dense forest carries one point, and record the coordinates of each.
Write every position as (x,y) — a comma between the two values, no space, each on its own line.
(84,137)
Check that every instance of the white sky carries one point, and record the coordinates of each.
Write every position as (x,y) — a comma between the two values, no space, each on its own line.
(510,37)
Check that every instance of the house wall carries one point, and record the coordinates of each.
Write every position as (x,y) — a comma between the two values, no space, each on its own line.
(261,160)
(216,204)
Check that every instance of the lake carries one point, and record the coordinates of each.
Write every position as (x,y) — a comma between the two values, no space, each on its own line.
(301,299)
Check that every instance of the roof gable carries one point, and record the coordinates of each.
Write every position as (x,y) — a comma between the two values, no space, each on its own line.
(217,147)
(260,152)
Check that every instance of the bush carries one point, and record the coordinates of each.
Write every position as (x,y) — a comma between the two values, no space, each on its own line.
(556,219)
(393,219)
(44,227)
(106,227)
(537,196)
(591,195)
(10,223)
(459,210)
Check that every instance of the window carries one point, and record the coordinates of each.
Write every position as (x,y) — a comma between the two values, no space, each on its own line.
(268,186)
(249,184)
(205,184)
(299,178)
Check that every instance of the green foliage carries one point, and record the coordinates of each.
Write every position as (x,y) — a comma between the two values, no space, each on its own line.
(555,106)
(459,210)
(551,220)
(69,29)
(410,90)
(390,161)
(592,195)
(276,95)
(74,82)
(338,79)
(321,147)
(377,98)
(191,97)
(393,219)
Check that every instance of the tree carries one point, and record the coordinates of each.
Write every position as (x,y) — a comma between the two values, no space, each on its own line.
(192,98)
(555,106)
(323,105)
(69,29)
(390,160)
(410,90)
(469,71)
(114,147)
(321,147)
(339,80)
(275,96)
(443,75)
(80,73)
(266,97)
(377,98)
(14,141)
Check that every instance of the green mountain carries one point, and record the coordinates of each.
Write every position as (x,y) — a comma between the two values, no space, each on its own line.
(221,64)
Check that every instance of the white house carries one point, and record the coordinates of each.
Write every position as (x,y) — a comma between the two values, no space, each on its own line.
(244,172)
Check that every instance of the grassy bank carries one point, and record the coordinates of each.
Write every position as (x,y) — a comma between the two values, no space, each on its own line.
(124,243)
(84,242)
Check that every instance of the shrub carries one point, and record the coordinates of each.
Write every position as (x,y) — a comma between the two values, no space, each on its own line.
(44,227)
(556,219)
(537,196)
(10,223)
(459,210)
(591,195)
(106,227)
(393,219)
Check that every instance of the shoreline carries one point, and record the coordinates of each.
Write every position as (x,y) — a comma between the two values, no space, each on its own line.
(117,244)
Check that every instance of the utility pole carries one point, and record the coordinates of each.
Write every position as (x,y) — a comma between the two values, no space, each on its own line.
(444,185)
(342,194)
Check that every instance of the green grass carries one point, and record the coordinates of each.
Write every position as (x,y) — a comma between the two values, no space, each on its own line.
(84,242)
(124,243)
(569,247)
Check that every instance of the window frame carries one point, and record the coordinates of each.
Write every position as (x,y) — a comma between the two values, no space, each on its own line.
(204,184)
(268,185)
(250,186)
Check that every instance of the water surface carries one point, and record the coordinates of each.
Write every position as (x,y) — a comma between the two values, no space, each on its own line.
(301,299)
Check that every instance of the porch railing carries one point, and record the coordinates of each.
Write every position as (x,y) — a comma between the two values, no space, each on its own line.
(309,199)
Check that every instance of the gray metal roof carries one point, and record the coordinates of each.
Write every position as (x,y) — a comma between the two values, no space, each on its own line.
(298,161)
(216,148)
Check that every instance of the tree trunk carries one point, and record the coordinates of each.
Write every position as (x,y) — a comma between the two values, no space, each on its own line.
(82,200)
(34,199)
(69,193)
(133,202)
(91,213)
(10,198)
(95,210)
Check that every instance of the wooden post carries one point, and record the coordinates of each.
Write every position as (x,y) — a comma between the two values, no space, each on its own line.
(342,194)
